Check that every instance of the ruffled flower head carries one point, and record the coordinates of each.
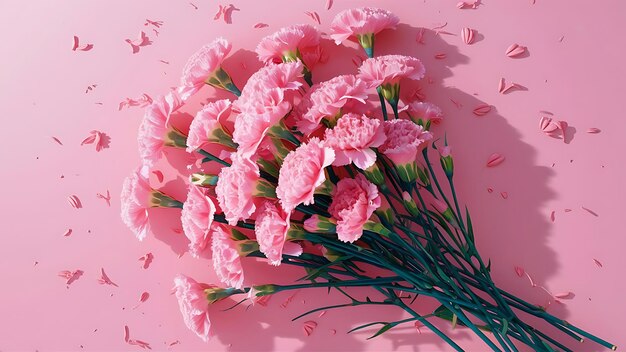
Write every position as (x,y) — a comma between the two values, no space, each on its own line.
(196,218)
(327,100)
(155,132)
(236,187)
(423,113)
(208,126)
(194,305)
(265,101)
(302,172)
(352,139)
(404,138)
(271,227)
(362,23)
(226,258)
(205,67)
(354,201)
(288,44)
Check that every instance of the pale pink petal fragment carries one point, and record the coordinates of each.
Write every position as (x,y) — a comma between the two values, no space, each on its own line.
(126,333)
(495,159)
(144,297)
(194,5)
(147,260)
(482,109)
(99,139)
(468,35)
(104,279)
(519,271)
(74,202)
(329,4)
(157,24)
(439,26)
(219,13)
(552,216)
(563,295)
(289,299)
(261,25)
(228,13)
(515,50)
(57,140)
(141,102)
(76,45)
(532,283)
(70,276)
(440,56)
(501,85)
(322,313)
(504,195)
(142,40)
(308,327)
(174,343)
(567,210)
(419,37)
(67,232)
(597,262)
(314,15)
(593,130)
(590,211)
(106,198)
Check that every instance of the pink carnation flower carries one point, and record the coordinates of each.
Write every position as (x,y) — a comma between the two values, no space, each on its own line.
(302,172)
(361,21)
(202,65)
(235,189)
(424,111)
(390,69)
(226,259)
(194,305)
(271,228)
(404,137)
(197,217)
(264,101)
(135,198)
(327,99)
(352,139)
(208,120)
(287,43)
(154,131)
(354,201)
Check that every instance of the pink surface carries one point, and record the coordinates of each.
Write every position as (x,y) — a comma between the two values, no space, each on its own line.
(578,78)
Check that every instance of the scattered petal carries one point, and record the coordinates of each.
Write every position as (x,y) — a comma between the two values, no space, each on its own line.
(159,175)
(308,327)
(74,202)
(515,50)
(439,26)
(563,295)
(194,5)
(504,195)
(147,260)
(139,343)
(561,38)
(70,276)
(76,45)
(100,139)
(567,210)
(57,140)
(333,331)
(141,102)
(228,13)
(597,262)
(261,25)
(67,232)
(419,37)
(468,35)
(90,88)
(142,40)
(157,24)
(314,15)
(144,297)
(593,130)
(263,300)
(289,299)
(456,103)
(489,190)
(126,333)
(165,62)
(482,109)
(107,198)
(322,313)
(519,271)
(329,4)
(174,343)
(104,279)
(501,85)
(440,56)
(495,159)
(532,283)
(590,211)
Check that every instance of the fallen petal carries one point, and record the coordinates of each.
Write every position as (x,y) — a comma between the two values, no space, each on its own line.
(501,85)
(126,333)
(261,25)
(74,202)
(419,37)
(504,195)
(147,260)
(519,271)
(590,211)
(563,295)
(552,215)
(482,110)
(329,4)
(597,262)
(515,50)
(57,140)
(468,35)
(593,130)
(67,232)
(440,56)
(495,159)
(308,327)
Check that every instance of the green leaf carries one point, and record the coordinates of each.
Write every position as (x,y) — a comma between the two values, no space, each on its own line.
(382,330)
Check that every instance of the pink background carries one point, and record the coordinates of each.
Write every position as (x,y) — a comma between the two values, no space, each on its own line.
(42,93)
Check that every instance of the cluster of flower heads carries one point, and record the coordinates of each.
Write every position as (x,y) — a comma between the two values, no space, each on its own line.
(296,158)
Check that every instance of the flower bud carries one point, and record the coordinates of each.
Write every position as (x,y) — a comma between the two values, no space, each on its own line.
(214,294)
(385,212)
(409,204)
(203,180)
(375,175)
(446,161)
(319,224)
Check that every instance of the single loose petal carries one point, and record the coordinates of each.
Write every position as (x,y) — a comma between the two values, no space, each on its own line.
(590,211)
(261,25)
(329,4)
(597,262)
(593,130)
(495,159)
(147,260)
(552,216)
(519,271)
(563,295)
(57,140)
(482,109)
(74,202)
(105,280)
(126,333)
(308,327)
(515,50)
(468,35)
(67,232)
(107,198)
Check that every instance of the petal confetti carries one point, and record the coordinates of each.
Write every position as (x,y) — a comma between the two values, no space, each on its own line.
(468,35)
(593,130)
(519,271)
(147,260)
(104,279)
(142,40)
(308,327)
(157,24)
(419,37)
(261,25)
(57,140)
(99,139)
(590,211)
(107,198)
(515,50)
(314,15)
(76,45)
(597,262)
(329,4)
(141,102)
(74,202)
(67,232)
(482,110)
(495,159)
(70,276)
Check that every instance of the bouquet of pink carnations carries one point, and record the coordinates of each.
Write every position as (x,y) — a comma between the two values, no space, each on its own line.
(324,177)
